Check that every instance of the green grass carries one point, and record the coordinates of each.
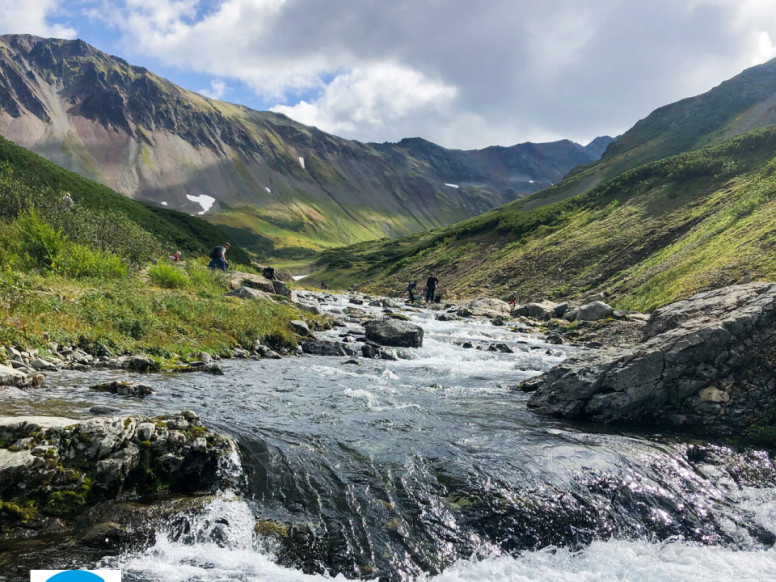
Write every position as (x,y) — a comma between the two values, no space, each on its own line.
(652,235)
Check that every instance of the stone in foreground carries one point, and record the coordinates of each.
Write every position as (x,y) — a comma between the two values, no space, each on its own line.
(394,332)
(705,364)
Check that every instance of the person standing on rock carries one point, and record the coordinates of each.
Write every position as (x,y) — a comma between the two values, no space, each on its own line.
(431,285)
(410,288)
(218,258)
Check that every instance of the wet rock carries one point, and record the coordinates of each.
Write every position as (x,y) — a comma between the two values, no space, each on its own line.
(554,338)
(560,309)
(594,311)
(57,467)
(209,368)
(571,314)
(501,348)
(138,363)
(446,317)
(99,409)
(328,348)
(266,352)
(467,345)
(393,332)
(704,364)
(310,308)
(10,376)
(355,301)
(123,389)
(249,293)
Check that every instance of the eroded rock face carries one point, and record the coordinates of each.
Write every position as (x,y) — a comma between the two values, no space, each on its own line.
(394,332)
(704,364)
(51,466)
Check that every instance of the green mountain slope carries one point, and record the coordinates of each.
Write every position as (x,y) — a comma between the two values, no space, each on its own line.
(172,229)
(278,187)
(741,104)
(652,235)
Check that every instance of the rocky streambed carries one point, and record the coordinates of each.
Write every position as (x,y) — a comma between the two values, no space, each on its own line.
(396,445)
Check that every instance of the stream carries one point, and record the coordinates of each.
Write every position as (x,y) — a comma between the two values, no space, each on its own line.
(432,468)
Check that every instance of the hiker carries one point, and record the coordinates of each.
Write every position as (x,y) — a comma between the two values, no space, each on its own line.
(512,300)
(431,285)
(410,289)
(67,202)
(269,273)
(175,257)
(218,258)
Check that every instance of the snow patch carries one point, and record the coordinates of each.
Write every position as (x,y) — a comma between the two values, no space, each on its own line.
(164,203)
(203,200)
(452,185)
(301,161)
(532,181)
(268,190)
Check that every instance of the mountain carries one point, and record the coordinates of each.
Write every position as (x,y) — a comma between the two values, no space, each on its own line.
(172,230)
(654,234)
(738,105)
(278,187)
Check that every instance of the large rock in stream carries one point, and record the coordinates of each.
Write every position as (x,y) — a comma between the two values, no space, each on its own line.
(705,364)
(394,332)
(52,469)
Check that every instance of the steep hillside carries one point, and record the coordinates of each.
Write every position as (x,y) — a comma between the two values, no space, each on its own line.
(741,104)
(172,230)
(280,188)
(654,234)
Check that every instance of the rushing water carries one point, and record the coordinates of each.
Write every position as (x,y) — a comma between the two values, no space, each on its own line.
(432,468)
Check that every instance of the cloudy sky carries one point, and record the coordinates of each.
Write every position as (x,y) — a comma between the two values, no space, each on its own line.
(460,73)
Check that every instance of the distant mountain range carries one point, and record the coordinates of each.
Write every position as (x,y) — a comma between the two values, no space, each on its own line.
(684,201)
(276,186)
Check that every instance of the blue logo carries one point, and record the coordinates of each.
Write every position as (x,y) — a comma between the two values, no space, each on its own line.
(75,576)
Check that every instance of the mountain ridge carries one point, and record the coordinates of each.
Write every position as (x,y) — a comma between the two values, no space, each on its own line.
(277,185)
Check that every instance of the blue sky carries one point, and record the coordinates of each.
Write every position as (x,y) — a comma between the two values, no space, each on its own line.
(461,74)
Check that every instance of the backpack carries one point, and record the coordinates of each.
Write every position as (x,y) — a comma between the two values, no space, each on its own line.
(216,253)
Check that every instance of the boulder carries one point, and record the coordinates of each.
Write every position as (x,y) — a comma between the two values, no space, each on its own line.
(486,307)
(328,348)
(299,327)
(248,293)
(123,389)
(594,311)
(239,279)
(282,289)
(543,311)
(593,298)
(394,332)
(138,363)
(12,377)
(57,467)
(704,364)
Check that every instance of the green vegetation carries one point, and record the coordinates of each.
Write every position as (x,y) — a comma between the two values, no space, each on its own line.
(76,275)
(135,229)
(652,235)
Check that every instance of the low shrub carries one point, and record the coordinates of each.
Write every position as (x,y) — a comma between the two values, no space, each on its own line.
(168,276)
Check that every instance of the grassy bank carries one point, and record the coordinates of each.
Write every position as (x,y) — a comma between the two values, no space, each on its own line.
(84,274)
(652,235)
(139,313)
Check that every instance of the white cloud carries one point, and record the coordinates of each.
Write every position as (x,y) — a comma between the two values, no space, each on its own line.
(32,17)
(376,100)
(217,89)
(510,71)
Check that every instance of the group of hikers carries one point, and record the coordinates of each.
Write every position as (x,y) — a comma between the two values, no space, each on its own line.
(431,287)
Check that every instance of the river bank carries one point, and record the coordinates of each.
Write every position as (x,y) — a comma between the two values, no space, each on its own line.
(422,457)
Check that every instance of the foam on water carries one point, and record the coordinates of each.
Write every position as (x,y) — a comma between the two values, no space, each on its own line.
(239,555)
(620,561)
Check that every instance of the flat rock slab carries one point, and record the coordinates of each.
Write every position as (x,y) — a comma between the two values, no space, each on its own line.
(704,364)
(394,332)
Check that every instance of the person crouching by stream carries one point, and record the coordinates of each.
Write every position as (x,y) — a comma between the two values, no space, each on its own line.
(431,285)
(410,288)
(218,258)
